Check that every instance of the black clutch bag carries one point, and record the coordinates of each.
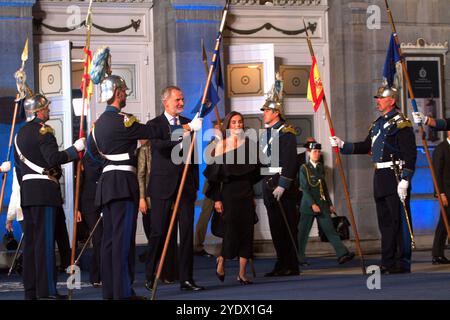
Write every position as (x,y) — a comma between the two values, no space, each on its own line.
(217,224)
(9,241)
(342,227)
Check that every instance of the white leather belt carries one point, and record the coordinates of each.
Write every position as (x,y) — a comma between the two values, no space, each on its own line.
(112,167)
(117,157)
(37,176)
(274,170)
(388,164)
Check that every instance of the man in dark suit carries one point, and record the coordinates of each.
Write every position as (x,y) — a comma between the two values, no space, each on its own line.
(38,171)
(163,188)
(441,163)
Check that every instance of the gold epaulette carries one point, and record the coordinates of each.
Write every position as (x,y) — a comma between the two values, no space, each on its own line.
(289,129)
(128,119)
(403,122)
(46,129)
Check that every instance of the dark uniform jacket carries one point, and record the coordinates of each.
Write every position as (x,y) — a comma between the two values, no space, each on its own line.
(37,143)
(390,134)
(92,170)
(117,133)
(314,187)
(166,174)
(441,163)
(287,156)
(442,124)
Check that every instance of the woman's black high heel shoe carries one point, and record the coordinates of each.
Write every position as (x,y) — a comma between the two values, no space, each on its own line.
(244,282)
(221,277)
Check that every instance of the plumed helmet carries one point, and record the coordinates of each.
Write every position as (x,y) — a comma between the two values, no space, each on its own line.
(274,100)
(101,65)
(35,103)
(386,91)
(109,85)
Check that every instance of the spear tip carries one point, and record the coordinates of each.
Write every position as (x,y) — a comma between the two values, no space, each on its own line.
(25,52)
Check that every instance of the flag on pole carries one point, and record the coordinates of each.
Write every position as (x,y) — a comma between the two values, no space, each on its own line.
(392,57)
(315,88)
(86,77)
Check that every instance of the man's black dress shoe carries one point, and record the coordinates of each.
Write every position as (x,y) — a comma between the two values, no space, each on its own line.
(203,253)
(273,273)
(190,286)
(97,284)
(304,263)
(346,258)
(55,297)
(394,270)
(440,260)
(149,285)
(289,272)
(136,298)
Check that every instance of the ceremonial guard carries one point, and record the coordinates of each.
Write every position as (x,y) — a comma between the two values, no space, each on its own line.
(316,203)
(392,144)
(116,135)
(280,187)
(38,170)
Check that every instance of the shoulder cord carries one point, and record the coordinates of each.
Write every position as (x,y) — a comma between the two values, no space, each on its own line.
(318,184)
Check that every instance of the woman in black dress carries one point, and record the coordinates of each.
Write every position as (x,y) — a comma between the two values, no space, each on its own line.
(231,177)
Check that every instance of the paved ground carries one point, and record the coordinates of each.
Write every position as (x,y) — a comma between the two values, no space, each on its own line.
(323,280)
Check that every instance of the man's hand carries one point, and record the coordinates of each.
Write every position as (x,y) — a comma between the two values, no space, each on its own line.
(196,123)
(402,189)
(218,206)
(80,144)
(6,166)
(315,208)
(8,225)
(79,218)
(278,193)
(444,199)
(143,206)
(336,142)
(419,118)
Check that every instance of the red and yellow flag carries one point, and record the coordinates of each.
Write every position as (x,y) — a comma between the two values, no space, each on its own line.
(86,82)
(315,88)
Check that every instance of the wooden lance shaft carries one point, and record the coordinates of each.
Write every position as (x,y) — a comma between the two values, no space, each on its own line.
(341,169)
(11,135)
(421,132)
(85,97)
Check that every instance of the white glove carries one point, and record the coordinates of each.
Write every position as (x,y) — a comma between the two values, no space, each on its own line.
(336,142)
(278,192)
(196,123)
(402,189)
(80,144)
(419,117)
(6,166)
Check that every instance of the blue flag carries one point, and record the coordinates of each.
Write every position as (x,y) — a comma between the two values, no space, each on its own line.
(218,71)
(7,105)
(212,99)
(392,57)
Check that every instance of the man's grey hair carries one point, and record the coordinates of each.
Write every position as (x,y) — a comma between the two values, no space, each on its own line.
(167,91)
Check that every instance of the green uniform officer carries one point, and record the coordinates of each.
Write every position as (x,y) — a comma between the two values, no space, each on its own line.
(316,203)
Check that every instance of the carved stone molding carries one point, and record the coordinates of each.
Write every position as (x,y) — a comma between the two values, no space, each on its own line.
(421,43)
(277,2)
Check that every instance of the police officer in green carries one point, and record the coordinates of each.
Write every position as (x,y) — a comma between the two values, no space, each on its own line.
(316,203)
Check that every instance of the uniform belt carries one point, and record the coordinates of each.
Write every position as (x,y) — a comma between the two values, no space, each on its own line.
(38,177)
(274,170)
(388,164)
(117,157)
(112,167)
